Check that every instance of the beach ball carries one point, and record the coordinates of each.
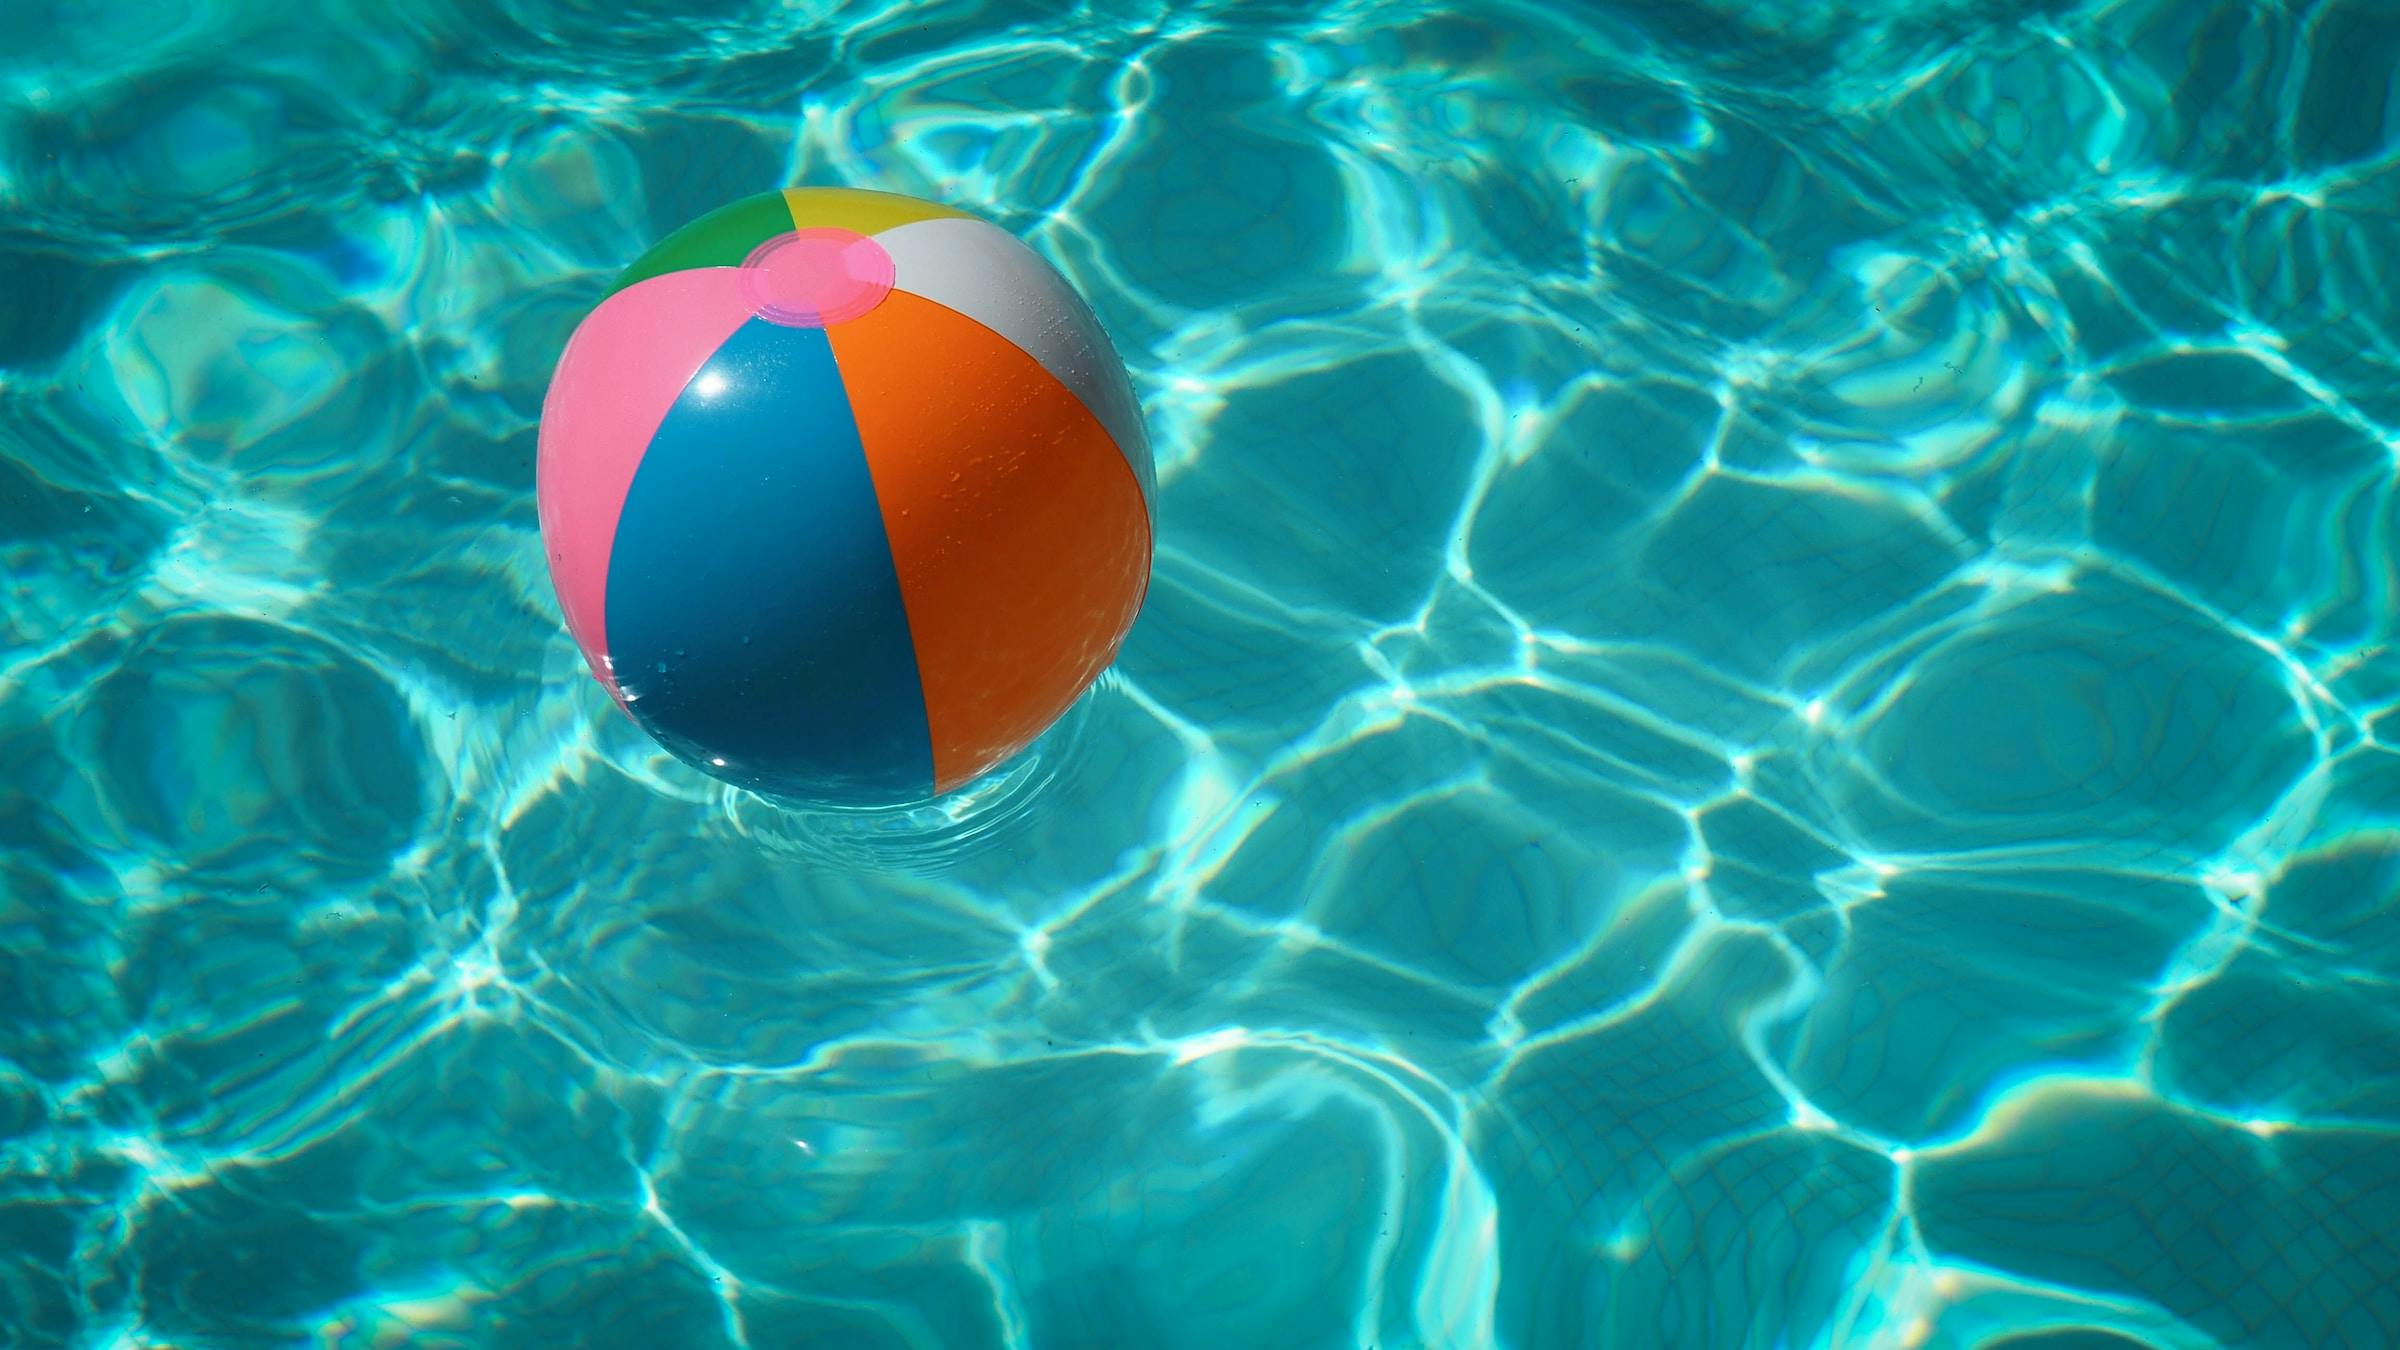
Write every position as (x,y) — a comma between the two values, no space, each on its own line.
(845,495)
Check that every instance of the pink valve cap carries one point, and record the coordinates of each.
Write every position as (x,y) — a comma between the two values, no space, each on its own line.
(815,278)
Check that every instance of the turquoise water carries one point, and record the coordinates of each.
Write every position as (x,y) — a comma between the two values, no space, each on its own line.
(1759,724)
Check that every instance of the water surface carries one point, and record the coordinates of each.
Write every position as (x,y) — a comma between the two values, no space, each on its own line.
(1759,724)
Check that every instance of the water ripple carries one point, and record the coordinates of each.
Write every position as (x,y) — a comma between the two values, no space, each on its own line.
(1765,718)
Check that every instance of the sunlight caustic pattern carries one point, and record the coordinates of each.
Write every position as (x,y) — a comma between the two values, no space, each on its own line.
(1760,723)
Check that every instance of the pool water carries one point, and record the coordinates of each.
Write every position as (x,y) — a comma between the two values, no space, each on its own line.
(1759,724)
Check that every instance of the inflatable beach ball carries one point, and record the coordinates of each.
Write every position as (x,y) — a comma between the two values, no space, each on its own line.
(845,495)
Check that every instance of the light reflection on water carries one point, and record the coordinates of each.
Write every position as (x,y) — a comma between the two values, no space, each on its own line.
(1759,724)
